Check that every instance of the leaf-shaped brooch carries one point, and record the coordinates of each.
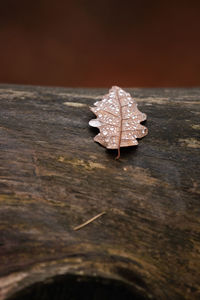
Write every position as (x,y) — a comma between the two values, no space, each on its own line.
(118,120)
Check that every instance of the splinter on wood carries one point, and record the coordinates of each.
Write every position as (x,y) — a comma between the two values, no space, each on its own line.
(89,221)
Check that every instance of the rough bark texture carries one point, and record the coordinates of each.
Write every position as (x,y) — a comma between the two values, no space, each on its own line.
(53,177)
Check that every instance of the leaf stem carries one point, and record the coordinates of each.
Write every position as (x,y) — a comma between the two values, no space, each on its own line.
(118,155)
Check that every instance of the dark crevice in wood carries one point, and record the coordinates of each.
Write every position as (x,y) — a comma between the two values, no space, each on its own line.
(70,287)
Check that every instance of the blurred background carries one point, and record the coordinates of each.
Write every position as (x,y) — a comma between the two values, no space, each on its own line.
(100,43)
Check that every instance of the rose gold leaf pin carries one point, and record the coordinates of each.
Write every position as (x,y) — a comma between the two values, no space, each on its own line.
(118,120)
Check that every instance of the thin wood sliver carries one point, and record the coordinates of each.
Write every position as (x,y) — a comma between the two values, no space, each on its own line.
(89,221)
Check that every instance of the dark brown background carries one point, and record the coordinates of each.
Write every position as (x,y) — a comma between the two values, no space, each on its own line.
(100,43)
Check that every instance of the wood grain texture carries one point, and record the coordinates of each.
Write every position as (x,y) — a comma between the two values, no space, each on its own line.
(53,177)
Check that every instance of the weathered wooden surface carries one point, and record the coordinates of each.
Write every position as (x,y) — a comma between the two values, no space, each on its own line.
(54,177)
